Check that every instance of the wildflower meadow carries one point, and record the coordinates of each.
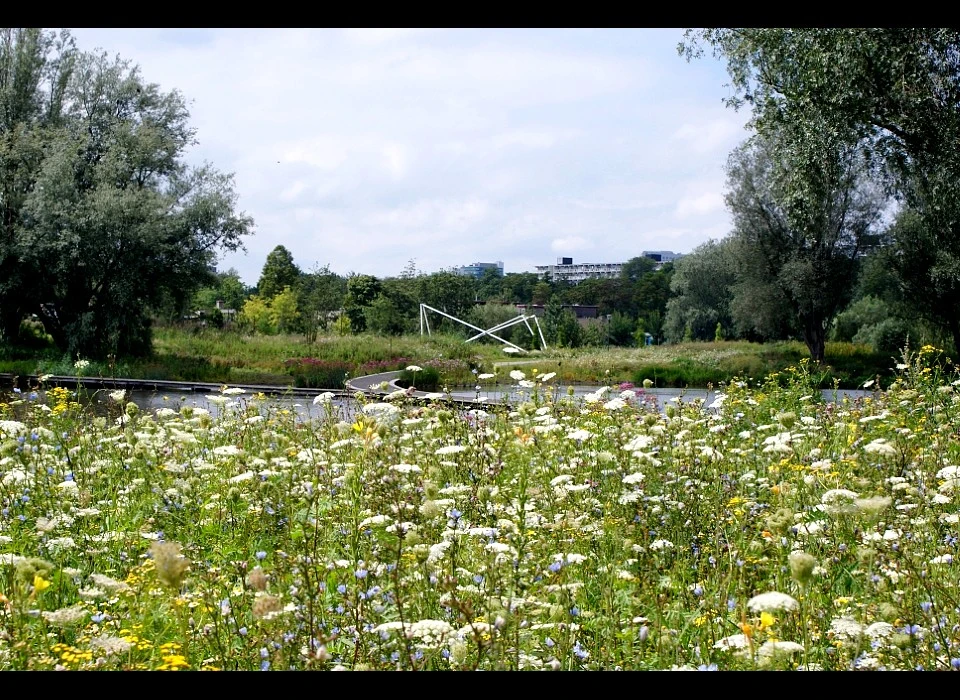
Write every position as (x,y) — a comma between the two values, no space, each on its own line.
(768,529)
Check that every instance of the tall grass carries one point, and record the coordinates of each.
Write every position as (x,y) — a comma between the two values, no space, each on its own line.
(769,530)
(233,357)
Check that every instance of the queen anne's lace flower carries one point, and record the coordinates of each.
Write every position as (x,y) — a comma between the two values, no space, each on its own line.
(772,601)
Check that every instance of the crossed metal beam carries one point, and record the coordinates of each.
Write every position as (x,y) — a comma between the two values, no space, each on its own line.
(521,318)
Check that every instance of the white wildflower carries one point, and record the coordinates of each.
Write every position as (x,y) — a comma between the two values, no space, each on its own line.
(638,443)
(771,650)
(846,628)
(772,601)
(375,521)
(734,641)
(66,617)
(881,447)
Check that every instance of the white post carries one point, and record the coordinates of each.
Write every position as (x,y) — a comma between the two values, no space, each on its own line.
(543,342)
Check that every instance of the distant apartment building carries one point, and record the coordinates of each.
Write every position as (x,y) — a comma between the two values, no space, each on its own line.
(662,256)
(566,270)
(477,269)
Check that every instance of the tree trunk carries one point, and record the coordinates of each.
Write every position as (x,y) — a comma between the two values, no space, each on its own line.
(815,336)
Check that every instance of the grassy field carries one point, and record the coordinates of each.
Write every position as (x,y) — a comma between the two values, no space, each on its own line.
(770,530)
(234,358)
(700,364)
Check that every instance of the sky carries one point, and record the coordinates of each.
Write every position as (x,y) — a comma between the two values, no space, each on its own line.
(365,149)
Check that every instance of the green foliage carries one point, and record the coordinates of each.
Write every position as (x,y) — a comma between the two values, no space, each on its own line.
(361,292)
(320,374)
(426,379)
(561,327)
(891,93)
(227,288)
(801,206)
(279,272)
(255,316)
(384,316)
(216,319)
(620,330)
(363,289)
(32,335)
(637,267)
(320,294)
(541,293)
(861,314)
(102,221)
(449,292)
(518,288)
(595,335)
(702,285)
(678,375)
(284,315)
(491,314)
(888,336)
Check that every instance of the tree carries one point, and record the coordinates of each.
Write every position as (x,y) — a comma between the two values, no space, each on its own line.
(319,294)
(255,316)
(892,92)
(284,314)
(518,287)
(279,271)
(101,222)
(561,326)
(802,205)
(702,291)
(542,293)
(384,316)
(361,291)
(620,330)
(637,267)
(650,295)
(449,292)
(227,288)
(490,285)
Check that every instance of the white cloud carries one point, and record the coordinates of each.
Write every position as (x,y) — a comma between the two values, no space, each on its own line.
(699,205)
(570,244)
(291,193)
(321,152)
(364,148)
(710,136)
(395,159)
(369,36)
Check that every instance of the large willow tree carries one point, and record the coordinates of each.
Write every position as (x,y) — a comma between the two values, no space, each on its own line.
(101,219)
(804,210)
(892,92)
